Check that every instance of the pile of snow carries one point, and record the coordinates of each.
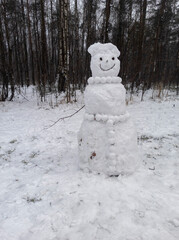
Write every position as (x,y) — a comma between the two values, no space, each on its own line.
(44,195)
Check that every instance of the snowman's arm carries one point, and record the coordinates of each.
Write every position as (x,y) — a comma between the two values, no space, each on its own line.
(66,117)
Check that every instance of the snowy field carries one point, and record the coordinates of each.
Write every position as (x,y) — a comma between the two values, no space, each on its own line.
(44,196)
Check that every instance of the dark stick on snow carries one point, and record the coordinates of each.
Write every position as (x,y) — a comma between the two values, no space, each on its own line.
(21,94)
(66,117)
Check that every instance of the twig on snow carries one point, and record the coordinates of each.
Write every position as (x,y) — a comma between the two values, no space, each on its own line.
(22,94)
(71,115)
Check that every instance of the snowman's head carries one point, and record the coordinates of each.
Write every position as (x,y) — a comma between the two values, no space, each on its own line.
(104,60)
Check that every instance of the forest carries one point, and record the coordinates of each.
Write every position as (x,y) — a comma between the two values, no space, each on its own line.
(86,154)
(44,43)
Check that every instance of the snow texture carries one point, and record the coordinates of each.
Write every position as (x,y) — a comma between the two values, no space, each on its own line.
(107,138)
(44,196)
(105,99)
(108,148)
(96,80)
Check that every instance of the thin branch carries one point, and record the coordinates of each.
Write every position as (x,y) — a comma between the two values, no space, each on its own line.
(21,94)
(66,117)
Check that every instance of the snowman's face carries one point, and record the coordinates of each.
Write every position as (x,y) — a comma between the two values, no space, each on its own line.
(103,65)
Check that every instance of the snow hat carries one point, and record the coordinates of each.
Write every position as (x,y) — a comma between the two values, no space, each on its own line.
(103,48)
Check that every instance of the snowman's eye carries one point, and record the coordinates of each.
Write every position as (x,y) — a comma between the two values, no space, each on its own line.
(100,59)
(113,58)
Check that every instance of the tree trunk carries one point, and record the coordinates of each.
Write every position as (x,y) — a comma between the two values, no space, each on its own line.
(30,44)
(107,15)
(63,64)
(44,54)
(10,68)
(4,90)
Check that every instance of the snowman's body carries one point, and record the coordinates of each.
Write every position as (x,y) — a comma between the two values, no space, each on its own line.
(107,138)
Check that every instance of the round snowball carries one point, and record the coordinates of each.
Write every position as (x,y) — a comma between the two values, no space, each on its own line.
(110,122)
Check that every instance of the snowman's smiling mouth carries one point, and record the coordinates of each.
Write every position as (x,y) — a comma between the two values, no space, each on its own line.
(106,69)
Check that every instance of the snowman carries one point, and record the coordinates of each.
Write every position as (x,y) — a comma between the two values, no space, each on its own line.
(107,138)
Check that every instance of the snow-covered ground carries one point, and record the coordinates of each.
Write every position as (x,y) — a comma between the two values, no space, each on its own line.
(44,196)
